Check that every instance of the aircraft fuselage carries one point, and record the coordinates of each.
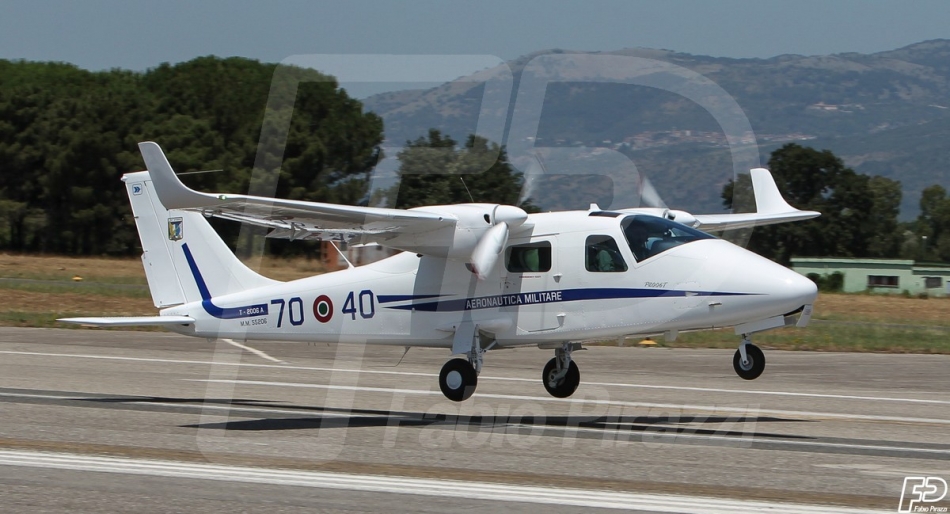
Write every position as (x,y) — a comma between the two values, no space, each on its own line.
(549,285)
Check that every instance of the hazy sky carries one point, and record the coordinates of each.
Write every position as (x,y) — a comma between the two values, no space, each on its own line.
(135,34)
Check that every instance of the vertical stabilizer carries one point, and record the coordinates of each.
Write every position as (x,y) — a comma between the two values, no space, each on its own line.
(184,258)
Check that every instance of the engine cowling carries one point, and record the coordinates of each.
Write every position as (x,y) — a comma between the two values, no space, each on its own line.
(683,217)
(466,241)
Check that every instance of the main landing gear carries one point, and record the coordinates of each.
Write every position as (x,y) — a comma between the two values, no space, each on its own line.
(459,377)
(749,361)
(561,375)
(458,380)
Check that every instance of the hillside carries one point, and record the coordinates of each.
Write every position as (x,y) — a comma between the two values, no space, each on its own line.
(917,155)
(884,113)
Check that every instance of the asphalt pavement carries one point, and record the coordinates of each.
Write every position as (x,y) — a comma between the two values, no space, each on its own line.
(110,421)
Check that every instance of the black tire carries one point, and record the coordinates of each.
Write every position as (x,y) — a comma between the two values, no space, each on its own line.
(458,380)
(567,385)
(754,368)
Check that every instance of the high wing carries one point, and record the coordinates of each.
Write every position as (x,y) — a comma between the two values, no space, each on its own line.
(770,208)
(290,219)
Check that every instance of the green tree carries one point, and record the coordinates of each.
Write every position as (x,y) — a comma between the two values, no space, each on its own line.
(67,135)
(885,237)
(433,170)
(933,225)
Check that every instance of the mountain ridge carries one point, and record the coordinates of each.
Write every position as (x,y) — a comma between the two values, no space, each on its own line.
(835,101)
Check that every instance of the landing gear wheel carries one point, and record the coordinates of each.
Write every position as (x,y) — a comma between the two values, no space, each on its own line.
(458,380)
(564,387)
(753,367)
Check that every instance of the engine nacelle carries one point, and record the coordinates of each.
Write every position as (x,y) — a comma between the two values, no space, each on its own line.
(683,217)
(671,214)
(473,220)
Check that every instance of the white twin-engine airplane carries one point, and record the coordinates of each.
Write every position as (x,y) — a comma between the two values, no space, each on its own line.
(471,277)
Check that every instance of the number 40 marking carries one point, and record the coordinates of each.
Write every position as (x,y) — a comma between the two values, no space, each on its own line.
(365,303)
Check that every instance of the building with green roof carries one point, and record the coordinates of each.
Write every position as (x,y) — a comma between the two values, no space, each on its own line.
(879,275)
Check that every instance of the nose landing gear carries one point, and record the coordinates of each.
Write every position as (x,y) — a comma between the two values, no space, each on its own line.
(748,361)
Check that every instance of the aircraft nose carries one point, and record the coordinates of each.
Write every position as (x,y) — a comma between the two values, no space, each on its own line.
(799,287)
(782,289)
(772,288)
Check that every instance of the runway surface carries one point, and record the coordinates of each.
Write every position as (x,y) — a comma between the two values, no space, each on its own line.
(108,421)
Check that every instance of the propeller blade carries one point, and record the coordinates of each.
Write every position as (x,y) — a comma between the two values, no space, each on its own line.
(648,195)
(535,170)
(489,247)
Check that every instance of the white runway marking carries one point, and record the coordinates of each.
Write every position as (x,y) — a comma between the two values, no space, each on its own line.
(486,491)
(255,351)
(487,377)
(751,411)
(775,393)
(209,363)
(746,438)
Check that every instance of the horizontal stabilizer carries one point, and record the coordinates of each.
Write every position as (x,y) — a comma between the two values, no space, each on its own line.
(130,321)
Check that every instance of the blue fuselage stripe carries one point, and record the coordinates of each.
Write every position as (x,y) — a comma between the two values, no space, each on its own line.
(202,287)
(390,298)
(565,295)
(246,311)
(460,304)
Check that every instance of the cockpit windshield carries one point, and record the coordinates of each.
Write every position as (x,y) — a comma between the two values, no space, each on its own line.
(650,235)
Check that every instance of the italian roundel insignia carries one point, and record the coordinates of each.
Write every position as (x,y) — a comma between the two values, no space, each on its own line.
(323,308)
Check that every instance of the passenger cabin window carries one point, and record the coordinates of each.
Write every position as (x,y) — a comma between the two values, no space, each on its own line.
(529,258)
(650,235)
(603,255)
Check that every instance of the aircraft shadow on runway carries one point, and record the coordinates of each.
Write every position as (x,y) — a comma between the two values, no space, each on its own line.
(326,418)
(661,425)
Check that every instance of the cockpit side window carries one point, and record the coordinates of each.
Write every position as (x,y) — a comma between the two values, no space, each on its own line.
(603,255)
(529,258)
(650,235)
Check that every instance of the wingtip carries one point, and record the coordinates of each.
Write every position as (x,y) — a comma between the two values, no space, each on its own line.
(151,147)
(171,192)
(768,199)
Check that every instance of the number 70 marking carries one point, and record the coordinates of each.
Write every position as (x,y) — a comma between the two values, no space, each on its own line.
(294,311)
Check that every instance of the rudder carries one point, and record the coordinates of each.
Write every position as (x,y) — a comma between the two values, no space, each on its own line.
(184,258)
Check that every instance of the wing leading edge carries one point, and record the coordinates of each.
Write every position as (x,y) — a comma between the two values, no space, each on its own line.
(290,219)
